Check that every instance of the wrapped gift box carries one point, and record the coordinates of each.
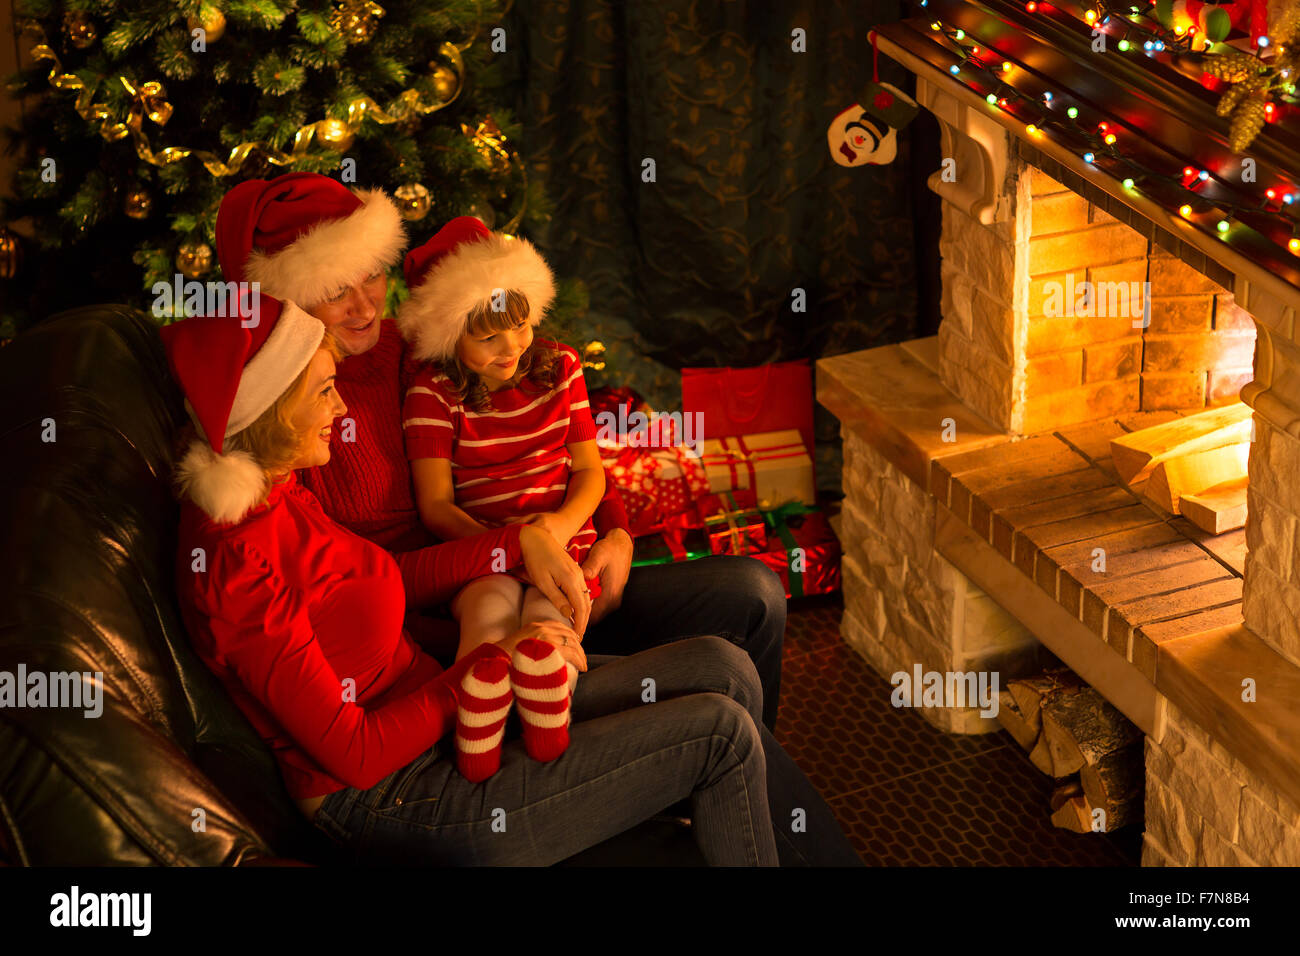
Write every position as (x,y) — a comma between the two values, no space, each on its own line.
(733,523)
(774,465)
(656,482)
(803,550)
(672,544)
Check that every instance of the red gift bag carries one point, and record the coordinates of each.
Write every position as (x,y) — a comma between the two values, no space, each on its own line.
(744,401)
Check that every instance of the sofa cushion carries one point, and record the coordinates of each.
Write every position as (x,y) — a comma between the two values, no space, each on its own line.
(89,542)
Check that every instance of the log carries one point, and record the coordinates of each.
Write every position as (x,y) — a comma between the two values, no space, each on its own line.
(1014,723)
(1039,756)
(1136,454)
(1074,815)
(1030,692)
(1064,792)
(1084,727)
(1115,783)
(1218,509)
(1193,474)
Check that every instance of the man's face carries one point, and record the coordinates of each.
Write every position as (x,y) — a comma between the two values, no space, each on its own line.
(354,314)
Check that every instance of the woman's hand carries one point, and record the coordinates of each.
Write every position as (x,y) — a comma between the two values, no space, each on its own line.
(556,575)
(565,639)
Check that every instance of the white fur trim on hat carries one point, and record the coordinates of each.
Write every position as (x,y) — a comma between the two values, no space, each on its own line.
(226,487)
(279,361)
(435,316)
(333,254)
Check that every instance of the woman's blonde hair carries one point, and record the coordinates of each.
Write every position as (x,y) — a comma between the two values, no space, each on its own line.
(271,440)
(540,363)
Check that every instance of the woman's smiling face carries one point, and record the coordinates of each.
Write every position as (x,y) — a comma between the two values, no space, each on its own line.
(314,413)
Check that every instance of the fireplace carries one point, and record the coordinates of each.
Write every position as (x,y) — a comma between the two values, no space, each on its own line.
(977,463)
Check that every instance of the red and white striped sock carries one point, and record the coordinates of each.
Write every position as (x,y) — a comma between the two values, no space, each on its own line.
(482,704)
(541,684)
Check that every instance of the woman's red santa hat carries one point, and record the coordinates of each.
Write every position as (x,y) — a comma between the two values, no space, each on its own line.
(459,269)
(306,237)
(231,375)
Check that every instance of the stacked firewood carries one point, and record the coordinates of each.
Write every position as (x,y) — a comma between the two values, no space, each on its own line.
(1075,735)
(1194,466)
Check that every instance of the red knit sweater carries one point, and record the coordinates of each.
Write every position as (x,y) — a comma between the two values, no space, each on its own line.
(366,486)
(302,622)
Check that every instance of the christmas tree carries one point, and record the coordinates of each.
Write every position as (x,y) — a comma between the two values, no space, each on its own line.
(140,116)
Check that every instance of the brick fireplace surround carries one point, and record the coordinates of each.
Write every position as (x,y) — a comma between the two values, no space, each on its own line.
(978,481)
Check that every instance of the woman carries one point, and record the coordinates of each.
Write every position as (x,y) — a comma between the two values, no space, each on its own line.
(302,622)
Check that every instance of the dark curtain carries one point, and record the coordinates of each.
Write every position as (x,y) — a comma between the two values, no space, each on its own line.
(699,267)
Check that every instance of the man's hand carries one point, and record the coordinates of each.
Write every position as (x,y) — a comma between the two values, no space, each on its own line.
(609,559)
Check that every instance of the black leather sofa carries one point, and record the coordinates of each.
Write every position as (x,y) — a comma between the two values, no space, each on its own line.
(170,772)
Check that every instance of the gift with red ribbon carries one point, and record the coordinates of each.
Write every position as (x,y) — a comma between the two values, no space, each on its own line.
(657,476)
(774,465)
(802,549)
(677,540)
(732,522)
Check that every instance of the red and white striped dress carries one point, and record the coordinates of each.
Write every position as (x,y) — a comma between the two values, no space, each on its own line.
(509,461)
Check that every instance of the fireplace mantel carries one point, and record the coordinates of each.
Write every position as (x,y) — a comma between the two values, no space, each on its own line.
(1178,110)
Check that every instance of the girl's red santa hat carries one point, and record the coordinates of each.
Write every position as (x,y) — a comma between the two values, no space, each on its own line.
(230,375)
(305,237)
(460,268)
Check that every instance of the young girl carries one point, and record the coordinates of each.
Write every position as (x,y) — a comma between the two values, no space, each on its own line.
(498,430)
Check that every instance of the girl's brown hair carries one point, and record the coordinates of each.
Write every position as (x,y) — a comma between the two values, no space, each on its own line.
(271,439)
(540,363)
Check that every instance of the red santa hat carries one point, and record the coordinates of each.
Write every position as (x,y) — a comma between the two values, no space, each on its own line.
(230,375)
(305,237)
(460,268)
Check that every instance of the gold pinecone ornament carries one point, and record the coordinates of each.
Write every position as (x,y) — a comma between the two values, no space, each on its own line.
(1256,81)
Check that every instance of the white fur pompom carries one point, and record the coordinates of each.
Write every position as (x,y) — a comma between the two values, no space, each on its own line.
(226,487)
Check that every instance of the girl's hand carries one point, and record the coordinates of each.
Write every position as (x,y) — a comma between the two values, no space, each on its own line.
(565,640)
(555,574)
(558,528)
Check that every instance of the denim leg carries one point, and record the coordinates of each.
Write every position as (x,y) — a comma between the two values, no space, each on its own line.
(619,770)
(814,837)
(738,598)
(696,665)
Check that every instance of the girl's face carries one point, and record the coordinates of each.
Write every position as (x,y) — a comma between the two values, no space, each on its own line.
(495,355)
(314,413)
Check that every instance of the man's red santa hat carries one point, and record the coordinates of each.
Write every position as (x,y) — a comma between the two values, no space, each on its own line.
(305,237)
(231,375)
(459,269)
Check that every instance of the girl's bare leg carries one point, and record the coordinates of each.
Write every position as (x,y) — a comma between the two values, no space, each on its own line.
(538,607)
(488,610)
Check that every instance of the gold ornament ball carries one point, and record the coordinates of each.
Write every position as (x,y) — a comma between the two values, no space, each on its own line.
(11,253)
(79,29)
(214,26)
(138,204)
(335,134)
(413,201)
(444,82)
(194,259)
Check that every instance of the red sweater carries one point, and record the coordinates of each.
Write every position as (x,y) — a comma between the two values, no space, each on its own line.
(366,486)
(511,459)
(291,608)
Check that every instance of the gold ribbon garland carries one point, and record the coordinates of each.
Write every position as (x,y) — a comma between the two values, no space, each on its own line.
(150,100)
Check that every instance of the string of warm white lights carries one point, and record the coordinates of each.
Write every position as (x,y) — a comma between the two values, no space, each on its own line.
(1200,196)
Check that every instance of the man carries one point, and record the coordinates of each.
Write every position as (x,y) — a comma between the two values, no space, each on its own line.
(307,238)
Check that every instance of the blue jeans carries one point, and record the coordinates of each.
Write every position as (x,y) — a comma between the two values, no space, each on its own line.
(738,598)
(648,730)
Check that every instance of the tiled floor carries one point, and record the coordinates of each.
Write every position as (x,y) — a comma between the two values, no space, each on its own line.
(905,793)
